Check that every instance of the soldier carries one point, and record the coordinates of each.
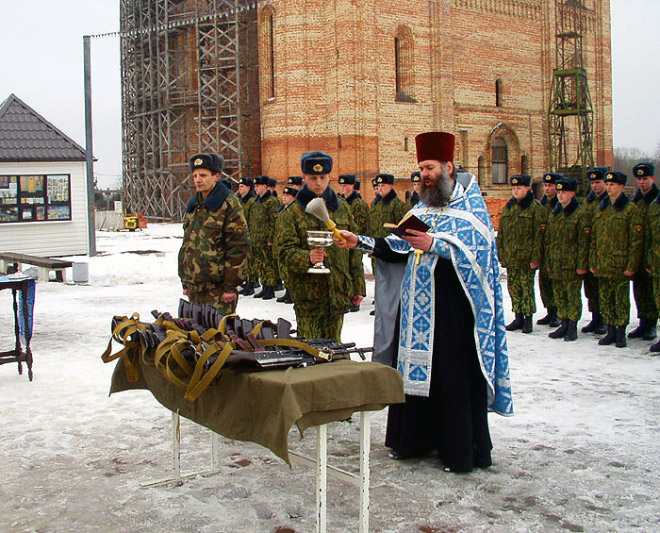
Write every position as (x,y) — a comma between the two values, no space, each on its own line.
(272,187)
(319,300)
(212,257)
(596,177)
(416,180)
(262,231)
(388,208)
(288,195)
(615,255)
(247,196)
(295,182)
(548,201)
(566,257)
(520,247)
(652,254)
(647,311)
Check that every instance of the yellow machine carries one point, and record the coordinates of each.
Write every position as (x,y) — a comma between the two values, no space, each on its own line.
(130,221)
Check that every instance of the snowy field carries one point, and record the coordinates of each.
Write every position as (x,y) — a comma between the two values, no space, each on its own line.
(582,452)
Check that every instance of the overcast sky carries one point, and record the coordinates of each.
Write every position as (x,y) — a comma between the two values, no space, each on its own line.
(42,64)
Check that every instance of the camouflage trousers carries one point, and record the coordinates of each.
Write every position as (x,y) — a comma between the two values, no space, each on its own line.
(614,295)
(568,298)
(591,291)
(643,291)
(320,327)
(545,288)
(212,296)
(656,291)
(265,265)
(251,274)
(521,289)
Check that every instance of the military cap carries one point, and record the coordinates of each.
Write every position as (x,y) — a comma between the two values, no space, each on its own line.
(614,176)
(294,180)
(261,180)
(272,182)
(385,178)
(357,184)
(567,184)
(347,179)
(416,177)
(597,173)
(643,170)
(552,177)
(212,162)
(521,179)
(374,182)
(246,181)
(316,163)
(435,145)
(290,190)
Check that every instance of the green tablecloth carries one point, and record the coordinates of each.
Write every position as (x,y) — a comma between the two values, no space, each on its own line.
(261,406)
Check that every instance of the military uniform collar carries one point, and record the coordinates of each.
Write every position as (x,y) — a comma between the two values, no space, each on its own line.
(619,205)
(329,197)
(414,198)
(648,197)
(592,197)
(212,202)
(353,196)
(569,209)
(553,202)
(246,198)
(524,203)
(265,196)
(390,196)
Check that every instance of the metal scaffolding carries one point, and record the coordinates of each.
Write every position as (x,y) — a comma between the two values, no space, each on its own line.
(189,84)
(570,116)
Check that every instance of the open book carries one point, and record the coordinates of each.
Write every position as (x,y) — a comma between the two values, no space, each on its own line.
(409,221)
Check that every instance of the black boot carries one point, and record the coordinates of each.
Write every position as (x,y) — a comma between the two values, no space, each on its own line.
(527,324)
(279,286)
(591,326)
(609,338)
(651,332)
(621,341)
(554,321)
(655,348)
(547,318)
(247,289)
(354,308)
(560,332)
(282,299)
(269,292)
(571,331)
(516,324)
(639,331)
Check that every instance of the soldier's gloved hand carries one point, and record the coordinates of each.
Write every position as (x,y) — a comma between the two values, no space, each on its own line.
(317,255)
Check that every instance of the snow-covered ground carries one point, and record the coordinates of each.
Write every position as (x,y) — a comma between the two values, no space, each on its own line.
(582,452)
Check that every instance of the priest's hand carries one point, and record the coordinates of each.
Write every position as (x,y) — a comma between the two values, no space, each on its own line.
(418,239)
(350,240)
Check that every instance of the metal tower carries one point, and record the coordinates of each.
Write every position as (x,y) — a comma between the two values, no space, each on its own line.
(188,84)
(570,116)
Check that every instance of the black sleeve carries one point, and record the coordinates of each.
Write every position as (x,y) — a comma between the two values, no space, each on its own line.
(384,252)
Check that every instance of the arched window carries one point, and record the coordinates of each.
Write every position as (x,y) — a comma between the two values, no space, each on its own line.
(481,169)
(498,92)
(500,160)
(267,37)
(403,64)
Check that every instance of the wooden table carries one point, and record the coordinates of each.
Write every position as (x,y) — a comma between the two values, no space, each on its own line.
(18,354)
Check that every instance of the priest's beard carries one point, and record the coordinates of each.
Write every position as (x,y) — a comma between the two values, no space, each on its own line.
(438,193)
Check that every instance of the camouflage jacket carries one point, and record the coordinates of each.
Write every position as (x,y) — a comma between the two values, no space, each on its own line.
(643,201)
(247,202)
(520,235)
(215,242)
(388,208)
(617,237)
(591,203)
(652,242)
(262,219)
(360,211)
(412,201)
(318,294)
(567,238)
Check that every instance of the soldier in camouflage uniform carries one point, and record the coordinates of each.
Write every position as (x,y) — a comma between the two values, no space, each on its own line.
(549,202)
(615,255)
(598,191)
(416,180)
(566,257)
(262,232)
(295,181)
(520,247)
(320,300)
(247,196)
(647,311)
(288,196)
(652,254)
(212,258)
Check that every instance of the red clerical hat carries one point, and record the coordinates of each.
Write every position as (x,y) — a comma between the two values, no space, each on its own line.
(436,145)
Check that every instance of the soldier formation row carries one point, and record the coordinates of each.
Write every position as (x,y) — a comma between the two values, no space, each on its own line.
(604,242)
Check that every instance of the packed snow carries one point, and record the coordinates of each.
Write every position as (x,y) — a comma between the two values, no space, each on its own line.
(581,453)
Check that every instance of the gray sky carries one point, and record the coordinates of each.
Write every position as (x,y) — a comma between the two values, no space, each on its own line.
(42,64)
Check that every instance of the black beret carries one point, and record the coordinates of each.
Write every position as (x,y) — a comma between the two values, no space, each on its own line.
(316,163)
(347,179)
(290,190)
(385,178)
(643,170)
(272,182)
(567,184)
(597,173)
(616,177)
(261,180)
(246,181)
(357,184)
(521,179)
(416,177)
(294,180)
(552,177)
(212,162)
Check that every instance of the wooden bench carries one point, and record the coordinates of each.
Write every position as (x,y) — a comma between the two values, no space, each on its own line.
(44,264)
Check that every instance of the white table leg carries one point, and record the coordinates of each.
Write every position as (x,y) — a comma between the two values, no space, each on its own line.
(176,444)
(365,449)
(321,477)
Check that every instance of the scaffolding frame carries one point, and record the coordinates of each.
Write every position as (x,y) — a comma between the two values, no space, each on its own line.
(185,68)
